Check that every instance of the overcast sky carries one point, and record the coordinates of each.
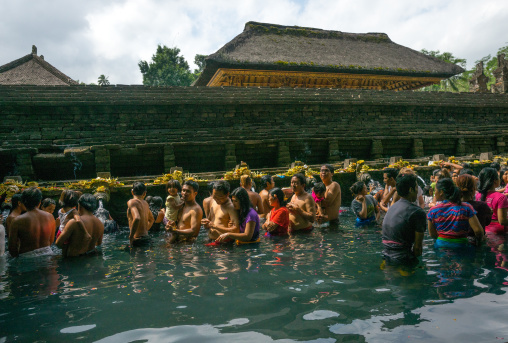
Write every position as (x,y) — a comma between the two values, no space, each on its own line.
(85,39)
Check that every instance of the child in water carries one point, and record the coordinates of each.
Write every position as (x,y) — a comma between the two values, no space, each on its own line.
(173,202)
(318,194)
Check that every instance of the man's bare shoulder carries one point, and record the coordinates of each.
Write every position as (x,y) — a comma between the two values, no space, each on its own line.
(334,186)
(195,208)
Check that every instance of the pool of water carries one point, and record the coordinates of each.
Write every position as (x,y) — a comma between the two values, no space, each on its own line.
(326,286)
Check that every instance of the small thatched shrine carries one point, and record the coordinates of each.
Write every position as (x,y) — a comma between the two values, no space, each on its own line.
(33,70)
(269,55)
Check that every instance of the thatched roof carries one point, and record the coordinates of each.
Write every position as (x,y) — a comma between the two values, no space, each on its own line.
(32,70)
(291,48)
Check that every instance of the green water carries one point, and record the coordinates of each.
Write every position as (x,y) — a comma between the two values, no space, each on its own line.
(326,286)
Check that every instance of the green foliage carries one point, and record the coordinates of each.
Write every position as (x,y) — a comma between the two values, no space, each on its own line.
(199,60)
(490,64)
(103,80)
(167,68)
(457,83)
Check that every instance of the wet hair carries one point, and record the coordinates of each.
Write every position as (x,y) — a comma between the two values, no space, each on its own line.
(319,188)
(88,202)
(69,198)
(391,172)
(209,187)
(245,205)
(31,198)
(266,179)
(157,202)
(486,179)
(443,174)
(496,166)
(329,167)
(279,194)
(357,187)
(466,165)
(138,188)
(301,178)
(222,186)
(15,201)
(245,180)
(466,171)
(173,184)
(467,186)
(450,191)
(47,202)
(404,183)
(426,190)
(148,199)
(193,184)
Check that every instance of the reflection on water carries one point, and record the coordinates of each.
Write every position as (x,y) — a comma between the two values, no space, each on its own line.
(325,286)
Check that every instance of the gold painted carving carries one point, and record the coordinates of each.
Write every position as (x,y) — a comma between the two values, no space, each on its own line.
(294,79)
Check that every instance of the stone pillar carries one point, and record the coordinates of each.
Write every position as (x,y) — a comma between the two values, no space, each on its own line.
(230,156)
(24,163)
(376,150)
(500,145)
(478,82)
(169,158)
(501,75)
(102,159)
(417,150)
(283,156)
(333,151)
(461,147)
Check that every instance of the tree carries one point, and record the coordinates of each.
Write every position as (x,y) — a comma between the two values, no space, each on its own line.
(103,80)
(199,60)
(490,64)
(457,83)
(167,68)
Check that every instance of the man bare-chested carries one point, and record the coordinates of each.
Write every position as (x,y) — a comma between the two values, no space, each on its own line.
(331,203)
(223,216)
(302,208)
(31,233)
(255,199)
(139,215)
(189,218)
(267,184)
(75,239)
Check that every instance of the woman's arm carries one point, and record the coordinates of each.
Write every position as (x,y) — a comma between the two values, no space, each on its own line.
(477,228)
(502,216)
(244,237)
(432,229)
(363,213)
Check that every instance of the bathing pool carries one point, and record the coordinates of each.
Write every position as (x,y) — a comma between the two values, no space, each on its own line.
(326,286)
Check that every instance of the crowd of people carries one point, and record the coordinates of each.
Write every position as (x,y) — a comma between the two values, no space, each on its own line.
(462,209)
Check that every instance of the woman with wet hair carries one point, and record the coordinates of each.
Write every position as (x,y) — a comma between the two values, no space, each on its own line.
(364,206)
(277,221)
(488,182)
(156,204)
(69,202)
(467,186)
(249,219)
(450,220)
(16,210)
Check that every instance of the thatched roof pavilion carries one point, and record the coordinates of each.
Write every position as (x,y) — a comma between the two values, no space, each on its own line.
(33,70)
(270,55)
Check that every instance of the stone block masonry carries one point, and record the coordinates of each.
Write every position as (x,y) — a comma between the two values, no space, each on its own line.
(137,130)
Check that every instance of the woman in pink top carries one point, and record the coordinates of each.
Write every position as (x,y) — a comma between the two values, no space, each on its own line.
(488,182)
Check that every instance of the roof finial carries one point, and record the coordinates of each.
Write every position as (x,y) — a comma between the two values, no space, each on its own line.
(34,50)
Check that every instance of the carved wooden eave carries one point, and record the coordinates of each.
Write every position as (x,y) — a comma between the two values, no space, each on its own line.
(295,79)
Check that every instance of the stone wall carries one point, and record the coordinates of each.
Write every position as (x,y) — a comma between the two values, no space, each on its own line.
(56,133)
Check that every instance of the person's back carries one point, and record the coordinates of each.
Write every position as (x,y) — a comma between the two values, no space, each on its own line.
(33,230)
(79,242)
(139,216)
(404,225)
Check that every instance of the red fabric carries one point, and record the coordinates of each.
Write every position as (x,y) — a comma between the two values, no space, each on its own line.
(281,218)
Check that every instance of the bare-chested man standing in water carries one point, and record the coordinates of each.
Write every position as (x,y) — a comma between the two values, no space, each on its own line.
(190,216)
(255,199)
(222,212)
(331,203)
(267,184)
(139,215)
(302,208)
(33,232)
(207,202)
(76,239)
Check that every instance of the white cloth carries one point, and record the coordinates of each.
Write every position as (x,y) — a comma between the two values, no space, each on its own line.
(38,252)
